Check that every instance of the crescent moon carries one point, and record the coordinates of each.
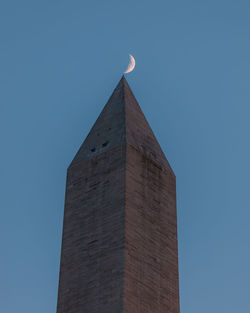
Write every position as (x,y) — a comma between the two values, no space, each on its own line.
(131,64)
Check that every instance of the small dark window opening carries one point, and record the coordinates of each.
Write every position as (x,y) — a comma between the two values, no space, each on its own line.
(105,144)
(93,149)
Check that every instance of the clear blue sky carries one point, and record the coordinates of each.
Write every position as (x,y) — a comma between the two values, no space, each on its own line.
(59,63)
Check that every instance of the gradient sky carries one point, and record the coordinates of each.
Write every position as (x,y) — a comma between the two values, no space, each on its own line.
(59,63)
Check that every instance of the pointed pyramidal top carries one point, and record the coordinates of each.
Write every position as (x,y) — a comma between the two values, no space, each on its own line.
(121,122)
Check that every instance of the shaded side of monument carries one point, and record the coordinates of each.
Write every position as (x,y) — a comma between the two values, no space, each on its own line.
(119,248)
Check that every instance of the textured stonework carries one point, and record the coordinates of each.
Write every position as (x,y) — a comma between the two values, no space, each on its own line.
(119,248)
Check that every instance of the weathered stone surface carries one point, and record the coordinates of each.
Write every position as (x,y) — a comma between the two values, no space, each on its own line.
(119,248)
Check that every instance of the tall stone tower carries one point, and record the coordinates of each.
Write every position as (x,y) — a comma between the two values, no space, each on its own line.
(119,248)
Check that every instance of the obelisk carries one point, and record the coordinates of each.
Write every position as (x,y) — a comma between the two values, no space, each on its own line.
(119,248)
